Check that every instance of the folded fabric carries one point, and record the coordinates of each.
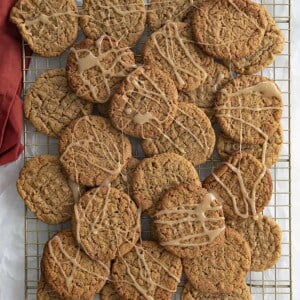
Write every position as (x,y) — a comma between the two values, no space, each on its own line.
(11,120)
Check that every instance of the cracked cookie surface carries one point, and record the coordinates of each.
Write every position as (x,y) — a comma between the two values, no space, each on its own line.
(49,27)
(50,105)
(229,29)
(46,190)
(93,153)
(190,135)
(95,69)
(145,104)
(155,175)
(186,64)
(122,19)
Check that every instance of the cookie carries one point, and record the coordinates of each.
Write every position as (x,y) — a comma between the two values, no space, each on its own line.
(155,175)
(240,293)
(122,19)
(50,105)
(249,109)
(46,190)
(69,271)
(223,269)
(205,95)
(48,27)
(243,183)
(44,292)
(106,223)
(109,292)
(189,220)
(272,45)
(145,104)
(226,147)
(190,135)
(95,69)
(92,151)
(160,12)
(229,29)
(186,64)
(264,238)
(124,181)
(146,272)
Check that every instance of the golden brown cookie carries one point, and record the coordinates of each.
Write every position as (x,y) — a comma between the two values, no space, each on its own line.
(243,183)
(229,29)
(264,238)
(205,95)
(50,105)
(69,271)
(226,147)
(106,223)
(46,190)
(240,293)
(160,12)
(272,45)
(223,269)
(92,151)
(145,104)
(190,135)
(109,292)
(155,175)
(44,292)
(122,19)
(124,181)
(189,220)
(49,27)
(95,69)
(146,272)
(249,109)
(185,63)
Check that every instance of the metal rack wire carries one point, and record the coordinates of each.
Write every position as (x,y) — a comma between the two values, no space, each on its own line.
(275,283)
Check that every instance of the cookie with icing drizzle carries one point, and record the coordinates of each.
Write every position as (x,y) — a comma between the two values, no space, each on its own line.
(145,104)
(264,238)
(92,152)
(46,190)
(221,270)
(124,181)
(106,223)
(70,273)
(123,19)
(240,293)
(205,95)
(229,29)
(44,292)
(173,49)
(226,147)
(49,27)
(162,11)
(189,220)
(249,109)
(109,292)
(190,135)
(156,174)
(243,184)
(272,45)
(50,105)
(146,272)
(95,69)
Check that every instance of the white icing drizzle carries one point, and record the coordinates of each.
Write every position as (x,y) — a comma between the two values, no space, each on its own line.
(75,188)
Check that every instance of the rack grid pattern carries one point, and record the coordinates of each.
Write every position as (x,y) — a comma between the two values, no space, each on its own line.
(275,283)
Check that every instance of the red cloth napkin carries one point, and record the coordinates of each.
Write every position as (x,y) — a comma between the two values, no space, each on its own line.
(11,119)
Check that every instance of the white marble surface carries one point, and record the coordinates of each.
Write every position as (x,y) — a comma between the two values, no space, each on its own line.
(12,209)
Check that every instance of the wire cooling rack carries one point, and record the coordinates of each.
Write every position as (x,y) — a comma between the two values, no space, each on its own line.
(275,283)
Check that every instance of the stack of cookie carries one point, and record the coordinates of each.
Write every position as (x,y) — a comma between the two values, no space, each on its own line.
(198,67)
